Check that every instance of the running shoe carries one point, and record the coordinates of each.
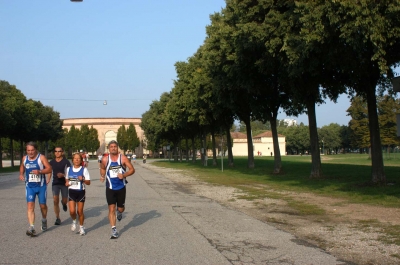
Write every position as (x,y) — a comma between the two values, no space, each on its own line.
(65,207)
(58,221)
(73,226)
(31,231)
(44,225)
(114,233)
(82,231)
(119,215)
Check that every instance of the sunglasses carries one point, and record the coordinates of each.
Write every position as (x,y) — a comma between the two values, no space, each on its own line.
(57,151)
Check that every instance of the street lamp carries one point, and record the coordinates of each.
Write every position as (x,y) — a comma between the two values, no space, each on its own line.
(323,147)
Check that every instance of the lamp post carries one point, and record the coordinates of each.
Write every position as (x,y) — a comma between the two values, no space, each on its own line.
(323,147)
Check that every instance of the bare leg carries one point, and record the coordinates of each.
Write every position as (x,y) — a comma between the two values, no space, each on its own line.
(72,210)
(43,209)
(56,200)
(111,214)
(80,213)
(121,209)
(31,212)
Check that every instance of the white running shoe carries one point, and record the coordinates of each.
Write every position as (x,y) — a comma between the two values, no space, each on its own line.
(114,233)
(73,226)
(82,231)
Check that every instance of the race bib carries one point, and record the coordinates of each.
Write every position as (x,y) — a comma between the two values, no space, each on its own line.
(114,170)
(75,183)
(33,178)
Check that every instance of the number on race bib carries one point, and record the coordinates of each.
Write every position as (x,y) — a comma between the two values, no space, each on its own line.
(34,177)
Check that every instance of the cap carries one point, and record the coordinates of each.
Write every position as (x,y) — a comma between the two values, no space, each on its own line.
(81,151)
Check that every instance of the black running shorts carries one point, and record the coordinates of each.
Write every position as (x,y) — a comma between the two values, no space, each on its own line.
(116,197)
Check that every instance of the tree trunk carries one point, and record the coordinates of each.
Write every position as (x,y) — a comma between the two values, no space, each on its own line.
(1,155)
(194,151)
(187,150)
(250,149)
(12,151)
(214,148)
(378,174)
(277,151)
(204,155)
(21,151)
(316,171)
(229,147)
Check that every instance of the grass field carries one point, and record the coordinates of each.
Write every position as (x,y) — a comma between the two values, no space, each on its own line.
(346,176)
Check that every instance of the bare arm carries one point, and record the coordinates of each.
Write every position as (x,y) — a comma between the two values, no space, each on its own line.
(22,170)
(103,169)
(127,164)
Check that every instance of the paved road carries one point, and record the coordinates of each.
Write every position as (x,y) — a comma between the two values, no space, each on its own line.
(162,224)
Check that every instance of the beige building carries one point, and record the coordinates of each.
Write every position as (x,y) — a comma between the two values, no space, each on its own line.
(262,144)
(107,128)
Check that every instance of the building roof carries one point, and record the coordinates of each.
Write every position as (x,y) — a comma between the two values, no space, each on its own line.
(266,134)
(238,135)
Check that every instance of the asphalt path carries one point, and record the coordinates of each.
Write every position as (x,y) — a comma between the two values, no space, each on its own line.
(162,224)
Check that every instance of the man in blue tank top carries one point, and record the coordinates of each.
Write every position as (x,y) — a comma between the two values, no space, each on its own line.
(33,170)
(114,168)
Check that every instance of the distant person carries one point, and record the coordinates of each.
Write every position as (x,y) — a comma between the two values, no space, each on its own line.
(99,156)
(33,170)
(59,164)
(114,168)
(87,158)
(77,177)
(84,159)
(133,157)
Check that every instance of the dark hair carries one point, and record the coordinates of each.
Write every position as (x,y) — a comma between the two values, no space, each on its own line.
(32,144)
(113,142)
(62,149)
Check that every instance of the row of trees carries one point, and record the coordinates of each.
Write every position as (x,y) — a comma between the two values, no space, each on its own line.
(127,138)
(262,57)
(24,120)
(334,137)
(83,138)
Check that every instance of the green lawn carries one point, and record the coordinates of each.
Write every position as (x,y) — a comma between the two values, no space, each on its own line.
(345,176)
(9,169)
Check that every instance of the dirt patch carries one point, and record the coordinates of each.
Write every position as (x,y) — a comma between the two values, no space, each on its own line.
(353,232)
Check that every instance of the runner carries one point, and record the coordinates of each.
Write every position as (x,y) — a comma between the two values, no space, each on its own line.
(77,177)
(59,165)
(115,167)
(33,168)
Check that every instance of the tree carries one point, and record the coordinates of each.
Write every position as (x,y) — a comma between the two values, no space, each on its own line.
(73,142)
(133,139)
(367,44)
(93,143)
(388,107)
(345,136)
(223,70)
(11,99)
(359,123)
(122,138)
(330,134)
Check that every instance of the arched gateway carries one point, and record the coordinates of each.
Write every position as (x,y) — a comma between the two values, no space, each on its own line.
(107,128)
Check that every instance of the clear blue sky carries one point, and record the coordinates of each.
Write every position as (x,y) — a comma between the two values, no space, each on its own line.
(73,56)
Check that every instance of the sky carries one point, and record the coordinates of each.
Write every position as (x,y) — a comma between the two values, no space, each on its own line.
(75,56)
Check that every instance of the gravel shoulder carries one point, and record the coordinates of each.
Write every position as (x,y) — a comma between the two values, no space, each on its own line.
(358,233)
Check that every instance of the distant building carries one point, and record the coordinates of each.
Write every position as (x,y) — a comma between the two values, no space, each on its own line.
(262,144)
(107,128)
(290,122)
